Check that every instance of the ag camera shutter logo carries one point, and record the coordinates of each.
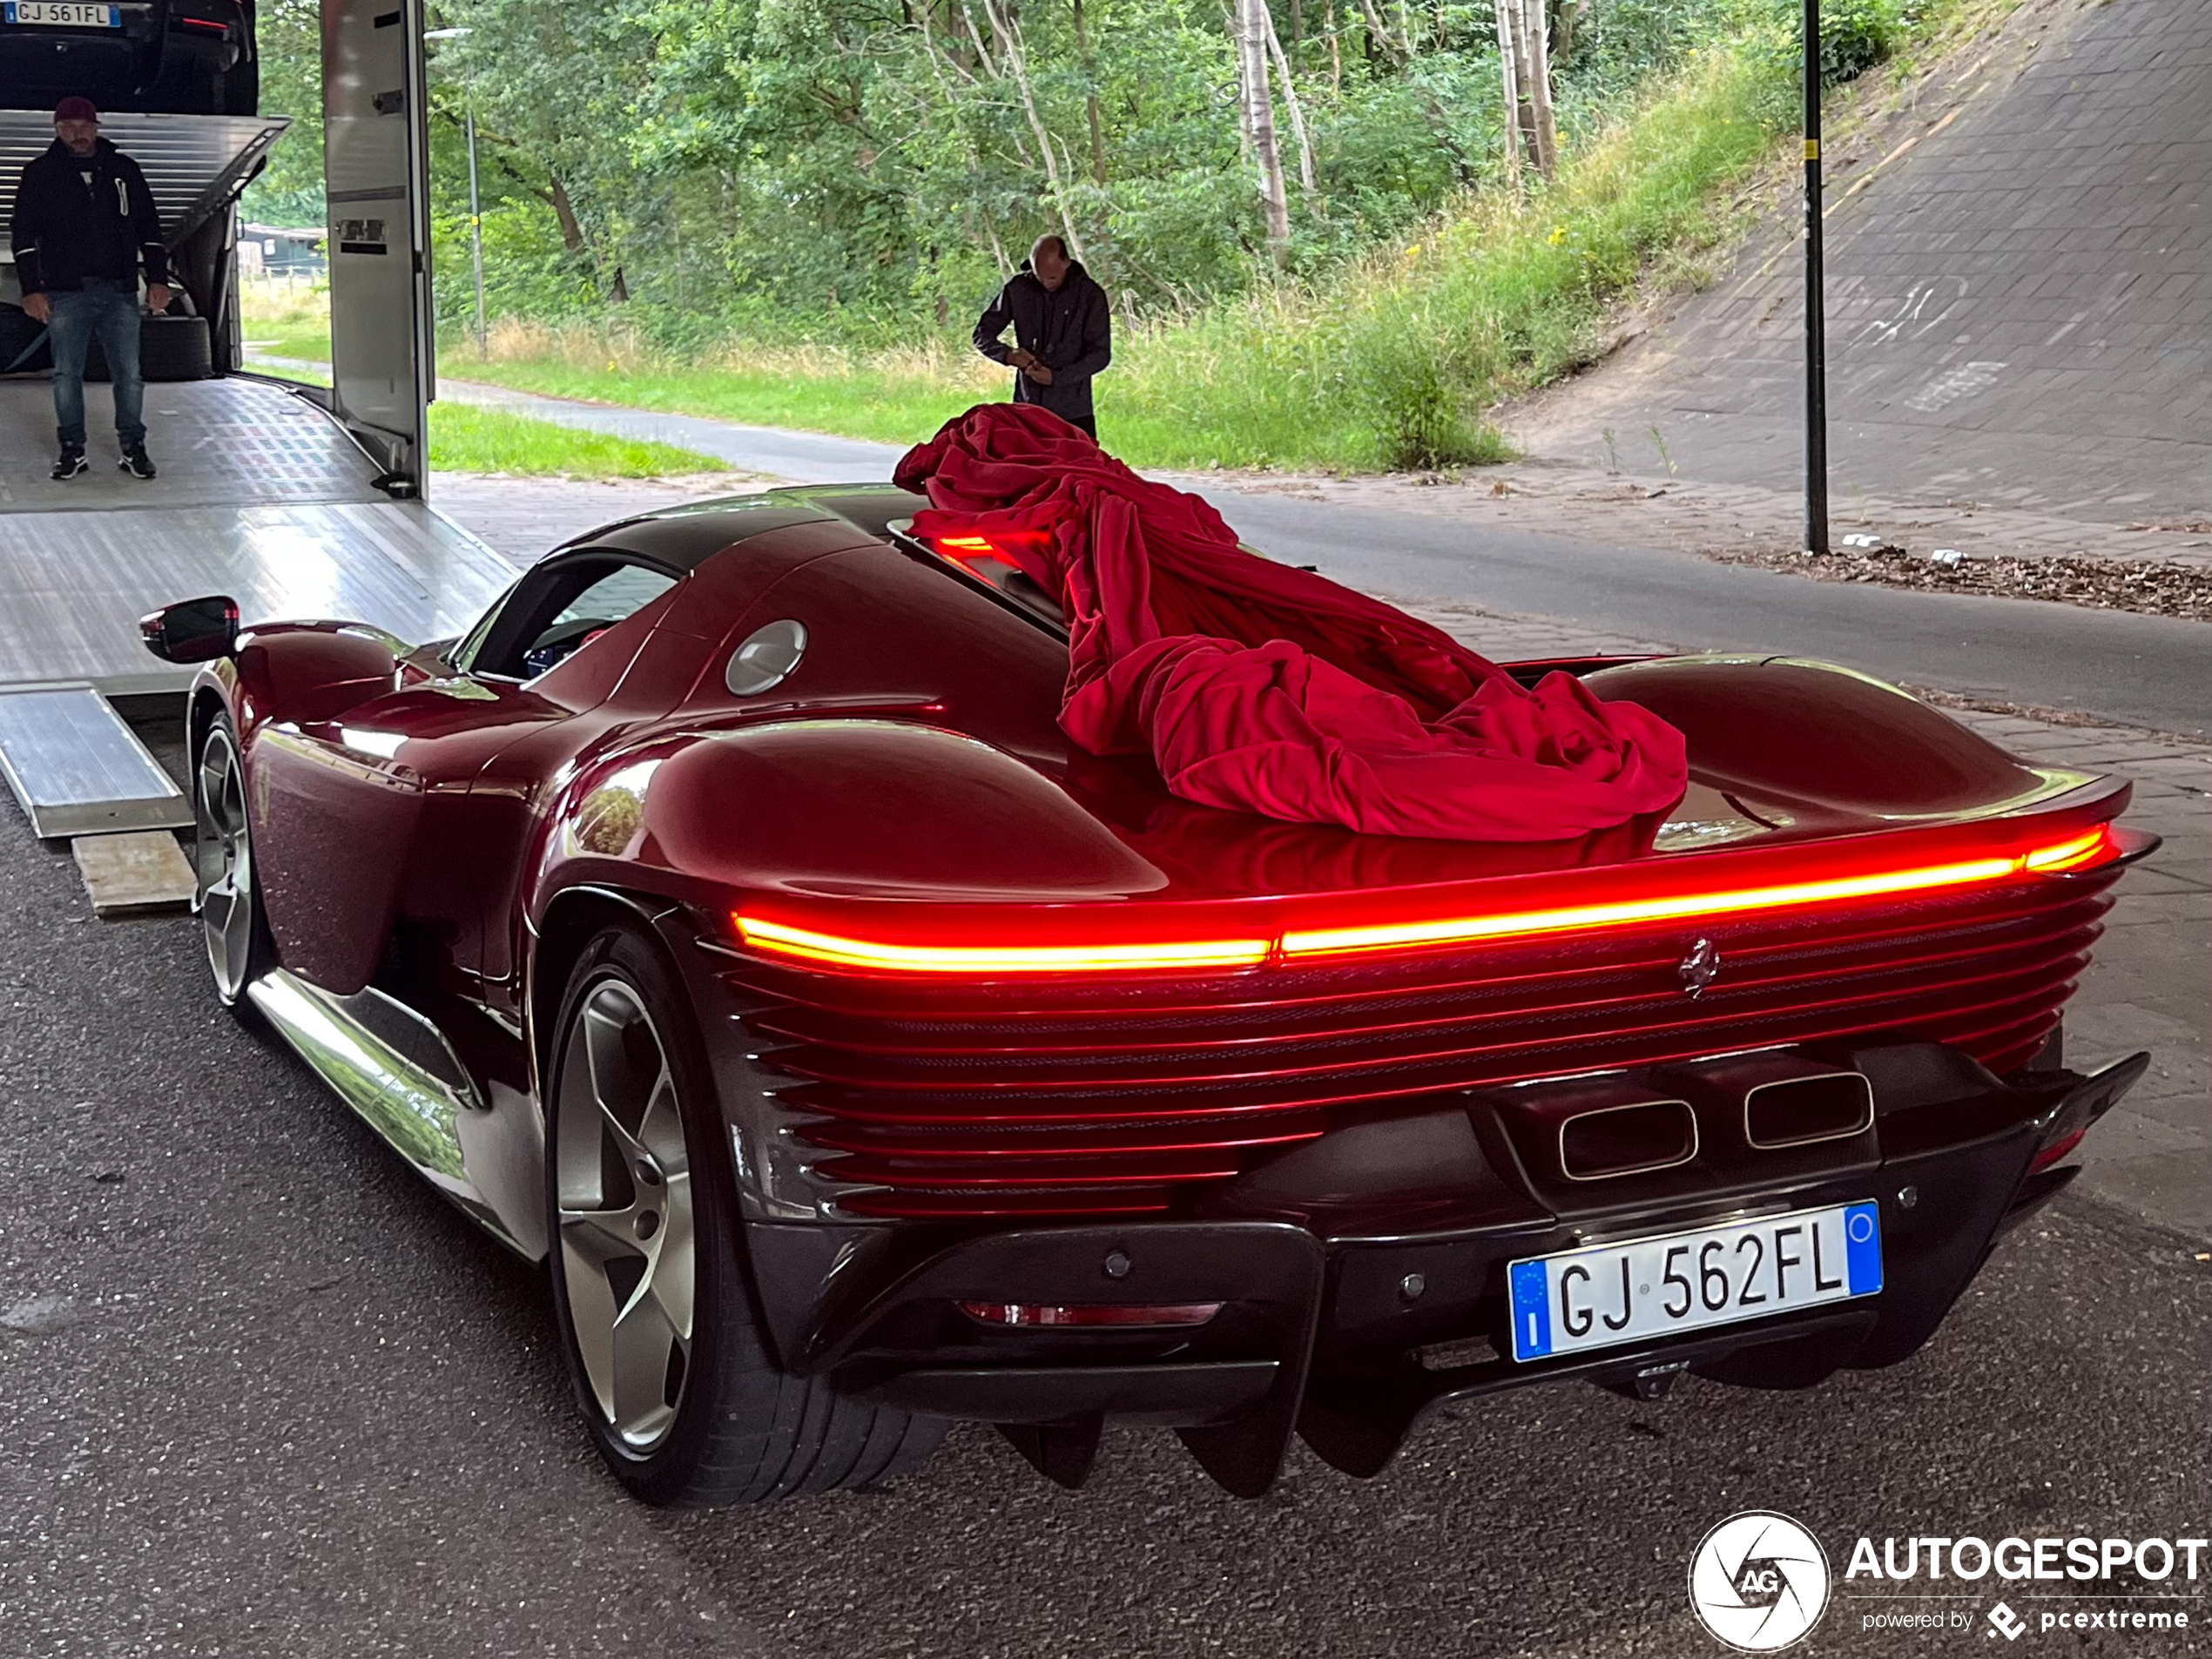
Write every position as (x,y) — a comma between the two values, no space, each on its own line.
(1758,1582)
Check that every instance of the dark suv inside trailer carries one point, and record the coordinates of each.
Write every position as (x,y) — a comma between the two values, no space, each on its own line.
(173,57)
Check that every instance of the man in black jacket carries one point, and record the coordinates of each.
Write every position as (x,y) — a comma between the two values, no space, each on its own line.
(1062,332)
(84,221)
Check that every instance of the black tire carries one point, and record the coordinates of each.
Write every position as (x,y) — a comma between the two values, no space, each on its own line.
(742,1430)
(170,348)
(216,821)
(176,348)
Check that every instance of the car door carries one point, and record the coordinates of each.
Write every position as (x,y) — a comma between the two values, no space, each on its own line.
(370,844)
(637,671)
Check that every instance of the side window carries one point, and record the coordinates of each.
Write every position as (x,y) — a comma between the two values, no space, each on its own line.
(555,613)
(625,589)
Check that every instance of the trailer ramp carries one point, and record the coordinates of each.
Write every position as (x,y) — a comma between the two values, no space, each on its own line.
(77,768)
(261,496)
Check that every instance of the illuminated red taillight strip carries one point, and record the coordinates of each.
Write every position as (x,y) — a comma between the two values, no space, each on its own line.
(2097,847)
(2069,854)
(991,544)
(779,939)
(807,945)
(972,553)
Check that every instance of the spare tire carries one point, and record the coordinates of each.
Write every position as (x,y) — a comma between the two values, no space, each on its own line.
(176,348)
(170,348)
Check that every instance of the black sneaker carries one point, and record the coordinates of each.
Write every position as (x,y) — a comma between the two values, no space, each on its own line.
(137,462)
(72,462)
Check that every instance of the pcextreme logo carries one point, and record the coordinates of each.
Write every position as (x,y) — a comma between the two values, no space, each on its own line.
(1758,1582)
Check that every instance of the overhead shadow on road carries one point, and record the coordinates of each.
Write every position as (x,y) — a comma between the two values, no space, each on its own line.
(1551,1521)
(261,1392)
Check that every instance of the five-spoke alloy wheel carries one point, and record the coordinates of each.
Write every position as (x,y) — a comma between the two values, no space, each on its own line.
(624,1184)
(681,1389)
(226,897)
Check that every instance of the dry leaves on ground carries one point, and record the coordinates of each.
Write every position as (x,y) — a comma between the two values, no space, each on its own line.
(2152,587)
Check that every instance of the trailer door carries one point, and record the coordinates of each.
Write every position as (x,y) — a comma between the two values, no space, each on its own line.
(376,171)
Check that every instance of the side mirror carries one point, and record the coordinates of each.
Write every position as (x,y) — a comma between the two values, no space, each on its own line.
(192,630)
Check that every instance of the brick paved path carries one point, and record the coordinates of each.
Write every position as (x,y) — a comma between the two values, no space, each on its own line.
(2020,291)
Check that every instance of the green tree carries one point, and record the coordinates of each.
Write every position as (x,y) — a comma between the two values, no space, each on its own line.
(850,171)
(289,190)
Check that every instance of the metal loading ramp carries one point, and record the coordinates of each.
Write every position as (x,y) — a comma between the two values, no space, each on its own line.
(261,496)
(77,768)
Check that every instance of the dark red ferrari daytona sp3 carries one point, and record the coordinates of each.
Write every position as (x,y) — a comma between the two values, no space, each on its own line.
(726,918)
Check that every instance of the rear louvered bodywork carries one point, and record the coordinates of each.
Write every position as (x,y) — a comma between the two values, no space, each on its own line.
(1058,1097)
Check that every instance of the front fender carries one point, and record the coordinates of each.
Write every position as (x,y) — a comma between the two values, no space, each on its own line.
(330,827)
(303,672)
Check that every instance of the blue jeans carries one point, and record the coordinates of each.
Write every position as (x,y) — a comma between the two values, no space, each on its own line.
(107,307)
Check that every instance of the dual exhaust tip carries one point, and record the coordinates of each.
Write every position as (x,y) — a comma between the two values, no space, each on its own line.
(1603,1128)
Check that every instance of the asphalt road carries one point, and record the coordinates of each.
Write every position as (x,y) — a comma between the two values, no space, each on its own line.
(261,1393)
(2138,670)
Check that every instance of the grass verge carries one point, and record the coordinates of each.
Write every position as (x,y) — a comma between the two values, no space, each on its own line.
(492,440)
(309,344)
(470,440)
(892,396)
(285,319)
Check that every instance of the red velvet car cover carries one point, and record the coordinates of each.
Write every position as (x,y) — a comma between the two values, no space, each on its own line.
(1265,689)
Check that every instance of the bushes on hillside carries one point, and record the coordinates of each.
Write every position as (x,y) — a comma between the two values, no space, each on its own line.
(1855,35)
(1516,293)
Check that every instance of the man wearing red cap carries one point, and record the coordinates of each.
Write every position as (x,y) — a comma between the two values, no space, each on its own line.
(85,222)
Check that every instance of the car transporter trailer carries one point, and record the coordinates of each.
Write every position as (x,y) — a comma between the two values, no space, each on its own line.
(294,498)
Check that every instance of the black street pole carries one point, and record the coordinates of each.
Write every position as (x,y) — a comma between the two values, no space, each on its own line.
(1816,316)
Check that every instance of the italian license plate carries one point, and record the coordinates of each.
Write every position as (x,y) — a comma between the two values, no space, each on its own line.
(66,14)
(1640,1288)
